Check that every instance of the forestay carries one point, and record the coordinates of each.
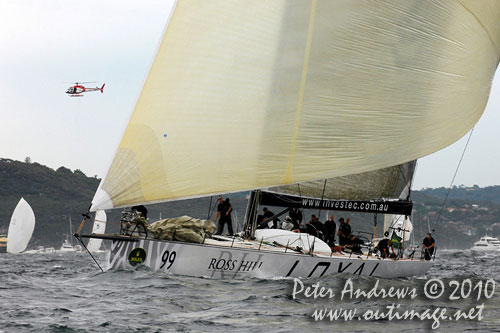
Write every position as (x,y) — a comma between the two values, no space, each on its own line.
(253,94)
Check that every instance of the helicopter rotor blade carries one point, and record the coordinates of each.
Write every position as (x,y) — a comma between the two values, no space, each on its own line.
(80,82)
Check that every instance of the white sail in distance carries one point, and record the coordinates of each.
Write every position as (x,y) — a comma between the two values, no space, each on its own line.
(21,227)
(99,227)
(244,95)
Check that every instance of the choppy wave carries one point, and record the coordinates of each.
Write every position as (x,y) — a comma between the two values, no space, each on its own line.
(67,293)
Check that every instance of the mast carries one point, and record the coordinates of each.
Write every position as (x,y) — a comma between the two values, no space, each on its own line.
(70,232)
(251,214)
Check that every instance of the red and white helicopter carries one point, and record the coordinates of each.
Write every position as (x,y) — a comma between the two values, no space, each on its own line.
(78,89)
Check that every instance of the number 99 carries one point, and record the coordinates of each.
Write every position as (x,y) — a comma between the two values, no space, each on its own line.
(168,257)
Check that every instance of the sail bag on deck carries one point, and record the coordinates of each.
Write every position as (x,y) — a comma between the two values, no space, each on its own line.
(183,228)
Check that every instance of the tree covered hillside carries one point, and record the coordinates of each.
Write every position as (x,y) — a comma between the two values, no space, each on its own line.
(470,194)
(57,195)
(54,195)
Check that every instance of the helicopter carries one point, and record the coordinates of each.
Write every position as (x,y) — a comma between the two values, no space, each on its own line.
(78,89)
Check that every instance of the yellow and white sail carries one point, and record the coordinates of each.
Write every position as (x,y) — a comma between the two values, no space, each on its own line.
(251,94)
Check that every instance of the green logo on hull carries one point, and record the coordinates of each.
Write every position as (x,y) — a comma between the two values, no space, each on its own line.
(137,256)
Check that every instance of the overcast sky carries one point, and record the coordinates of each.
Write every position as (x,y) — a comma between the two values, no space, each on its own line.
(45,45)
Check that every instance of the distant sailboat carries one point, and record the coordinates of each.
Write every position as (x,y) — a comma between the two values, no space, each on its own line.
(67,245)
(3,243)
(21,227)
(99,227)
(293,100)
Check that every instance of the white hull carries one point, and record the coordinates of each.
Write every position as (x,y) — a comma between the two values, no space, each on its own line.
(67,250)
(486,244)
(485,249)
(233,262)
(67,247)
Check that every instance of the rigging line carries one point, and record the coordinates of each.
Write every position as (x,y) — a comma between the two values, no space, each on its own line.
(405,168)
(282,197)
(85,247)
(402,173)
(250,220)
(410,184)
(249,217)
(453,179)
(237,220)
(209,208)
(213,210)
(322,197)
(301,209)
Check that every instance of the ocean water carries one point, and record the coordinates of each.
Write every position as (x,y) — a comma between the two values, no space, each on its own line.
(58,292)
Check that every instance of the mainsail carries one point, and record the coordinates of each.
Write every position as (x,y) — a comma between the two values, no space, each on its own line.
(390,183)
(385,190)
(22,224)
(244,95)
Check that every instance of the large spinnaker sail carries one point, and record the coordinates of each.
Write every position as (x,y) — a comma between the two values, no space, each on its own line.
(245,95)
(22,224)
(99,228)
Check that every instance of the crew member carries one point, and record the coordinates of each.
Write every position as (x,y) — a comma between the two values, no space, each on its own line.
(344,232)
(331,228)
(224,209)
(355,244)
(289,224)
(263,220)
(296,215)
(428,245)
(383,247)
(141,209)
(315,227)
